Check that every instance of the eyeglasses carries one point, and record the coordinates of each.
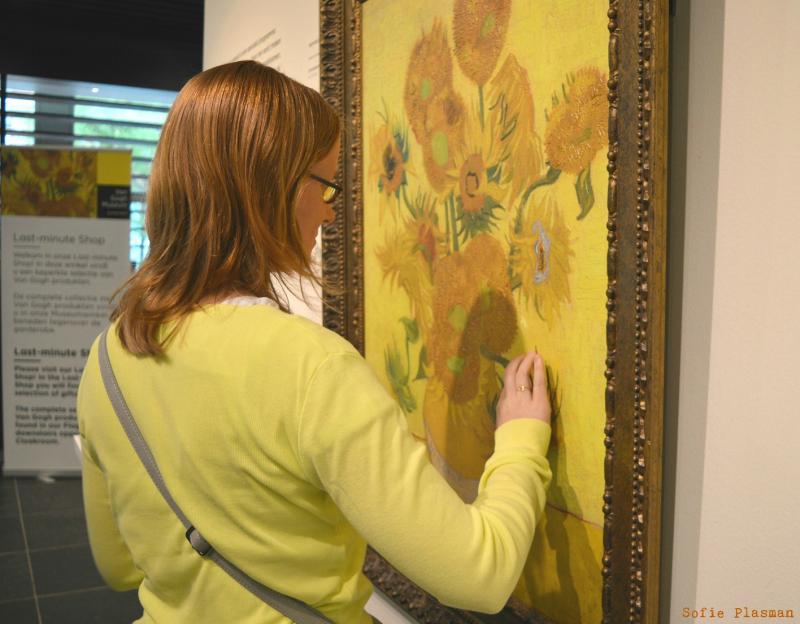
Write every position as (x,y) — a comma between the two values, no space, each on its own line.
(331,191)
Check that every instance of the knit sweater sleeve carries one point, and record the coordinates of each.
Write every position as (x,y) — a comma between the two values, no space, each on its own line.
(354,443)
(110,553)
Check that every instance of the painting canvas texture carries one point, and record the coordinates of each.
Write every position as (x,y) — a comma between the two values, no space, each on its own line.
(485,138)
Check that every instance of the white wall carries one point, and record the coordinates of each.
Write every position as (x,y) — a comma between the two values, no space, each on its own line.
(283,35)
(733,338)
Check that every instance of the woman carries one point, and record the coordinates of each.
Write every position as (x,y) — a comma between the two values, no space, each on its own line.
(273,434)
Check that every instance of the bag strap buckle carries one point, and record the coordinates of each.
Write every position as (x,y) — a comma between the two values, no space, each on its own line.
(198,542)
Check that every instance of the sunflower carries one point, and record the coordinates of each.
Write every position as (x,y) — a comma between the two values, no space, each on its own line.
(390,158)
(497,323)
(511,119)
(9,161)
(65,180)
(86,161)
(541,259)
(24,197)
(444,127)
(41,161)
(430,241)
(483,182)
(578,124)
(407,270)
(479,31)
(452,349)
(389,164)
(460,436)
(472,308)
(16,197)
(408,256)
(435,111)
(429,74)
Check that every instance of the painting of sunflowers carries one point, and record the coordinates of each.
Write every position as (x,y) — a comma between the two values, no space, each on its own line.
(49,182)
(485,138)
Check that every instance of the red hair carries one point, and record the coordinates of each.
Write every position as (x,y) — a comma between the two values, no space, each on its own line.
(233,152)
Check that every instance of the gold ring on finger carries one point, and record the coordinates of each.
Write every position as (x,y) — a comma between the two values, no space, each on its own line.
(523,388)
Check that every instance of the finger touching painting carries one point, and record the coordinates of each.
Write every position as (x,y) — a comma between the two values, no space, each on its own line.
(485,138)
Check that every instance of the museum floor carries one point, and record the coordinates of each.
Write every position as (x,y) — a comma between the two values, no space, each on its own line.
(47,575)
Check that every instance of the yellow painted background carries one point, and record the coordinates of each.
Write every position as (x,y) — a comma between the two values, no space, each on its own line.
(114,167)
(549,39)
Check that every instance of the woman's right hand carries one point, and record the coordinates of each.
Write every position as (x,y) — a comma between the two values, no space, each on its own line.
(522,397)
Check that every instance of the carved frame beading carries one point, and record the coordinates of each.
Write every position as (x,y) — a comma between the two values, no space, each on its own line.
(636,298)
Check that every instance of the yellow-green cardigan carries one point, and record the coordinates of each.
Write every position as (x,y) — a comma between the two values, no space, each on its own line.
(282,447)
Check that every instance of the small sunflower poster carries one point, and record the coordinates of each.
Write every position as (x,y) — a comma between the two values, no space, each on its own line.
(64,249)
(485,134)
(53,182)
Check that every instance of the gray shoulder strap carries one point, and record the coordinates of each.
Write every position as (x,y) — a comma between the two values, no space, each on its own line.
(294,609)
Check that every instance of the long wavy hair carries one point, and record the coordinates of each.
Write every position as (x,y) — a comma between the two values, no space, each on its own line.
(233,153)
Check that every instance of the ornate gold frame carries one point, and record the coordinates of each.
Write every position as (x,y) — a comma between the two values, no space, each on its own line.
(636,296)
